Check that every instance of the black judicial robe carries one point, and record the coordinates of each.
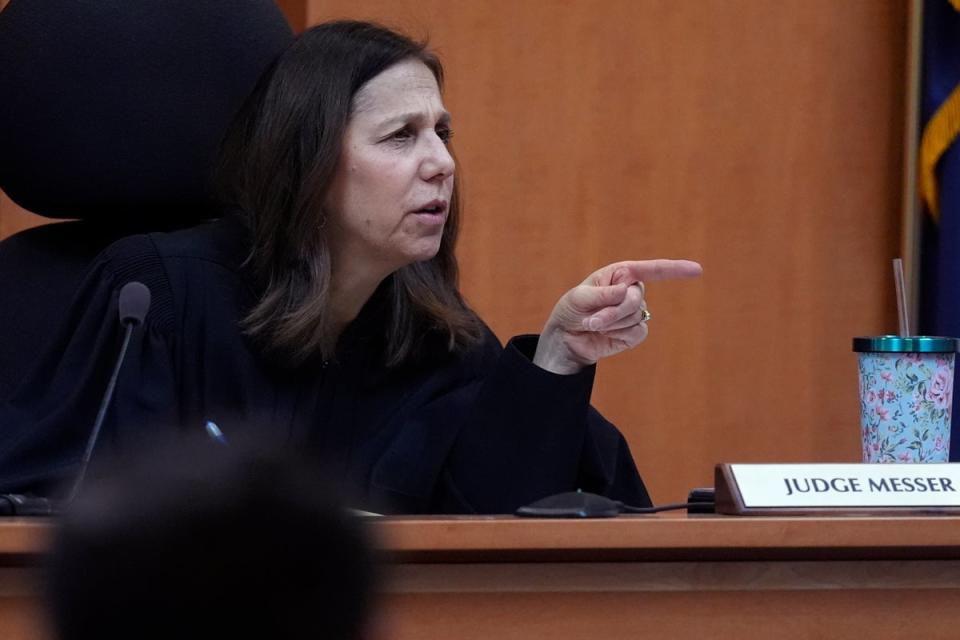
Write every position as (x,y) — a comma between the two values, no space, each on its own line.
(479,432)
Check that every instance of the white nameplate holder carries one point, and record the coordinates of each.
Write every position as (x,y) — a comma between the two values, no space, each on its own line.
(798,489)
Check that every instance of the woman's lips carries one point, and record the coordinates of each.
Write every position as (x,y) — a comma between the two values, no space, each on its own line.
(433,212)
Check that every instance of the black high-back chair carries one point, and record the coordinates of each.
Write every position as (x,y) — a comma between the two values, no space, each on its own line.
(110,115)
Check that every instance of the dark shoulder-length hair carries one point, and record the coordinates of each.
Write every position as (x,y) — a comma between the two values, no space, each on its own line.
(277,162)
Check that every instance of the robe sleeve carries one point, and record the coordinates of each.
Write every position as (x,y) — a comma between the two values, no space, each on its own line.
(513,435)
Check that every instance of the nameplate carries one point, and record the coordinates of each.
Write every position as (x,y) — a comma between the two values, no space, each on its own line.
(784,489)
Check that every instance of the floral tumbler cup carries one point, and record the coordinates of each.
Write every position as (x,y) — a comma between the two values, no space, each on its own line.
(906,395)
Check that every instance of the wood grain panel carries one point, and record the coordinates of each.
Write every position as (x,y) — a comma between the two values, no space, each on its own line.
(895,589)
(762,138)
(14,218)
(646,577)
(779,615)
(645,537)
(296,13)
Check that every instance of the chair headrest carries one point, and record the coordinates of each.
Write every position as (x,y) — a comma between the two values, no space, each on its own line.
(113,109)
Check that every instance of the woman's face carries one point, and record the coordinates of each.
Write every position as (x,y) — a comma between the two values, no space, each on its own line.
(391,192)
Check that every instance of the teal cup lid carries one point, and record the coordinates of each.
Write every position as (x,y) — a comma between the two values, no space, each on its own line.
(905,344)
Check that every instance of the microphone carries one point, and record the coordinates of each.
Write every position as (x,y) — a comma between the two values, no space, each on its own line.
(134,302)
(133,305)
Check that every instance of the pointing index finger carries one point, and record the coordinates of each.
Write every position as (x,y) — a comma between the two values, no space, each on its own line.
(650,270)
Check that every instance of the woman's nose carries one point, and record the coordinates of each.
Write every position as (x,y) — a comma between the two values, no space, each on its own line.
(438,163)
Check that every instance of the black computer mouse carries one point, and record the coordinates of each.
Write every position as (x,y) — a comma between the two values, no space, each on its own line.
(572,504)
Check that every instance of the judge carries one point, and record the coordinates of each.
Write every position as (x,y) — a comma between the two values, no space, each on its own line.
(322,310)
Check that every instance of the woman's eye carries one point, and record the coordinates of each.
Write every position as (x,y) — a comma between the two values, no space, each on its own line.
(400,136)
(406,134)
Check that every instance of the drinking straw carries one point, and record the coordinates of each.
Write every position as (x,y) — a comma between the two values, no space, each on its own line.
(902,316)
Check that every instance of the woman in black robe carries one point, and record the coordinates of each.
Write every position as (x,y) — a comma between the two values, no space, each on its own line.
(322,311)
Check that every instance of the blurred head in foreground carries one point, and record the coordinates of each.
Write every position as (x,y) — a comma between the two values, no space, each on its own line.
(194,545)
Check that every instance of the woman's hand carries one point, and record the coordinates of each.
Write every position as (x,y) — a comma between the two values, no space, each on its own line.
(604,315)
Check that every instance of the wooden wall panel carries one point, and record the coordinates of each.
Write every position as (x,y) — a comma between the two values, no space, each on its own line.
(761,138)
(14,218)
(296,13)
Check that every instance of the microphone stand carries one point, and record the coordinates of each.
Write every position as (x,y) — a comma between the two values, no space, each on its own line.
(133,303)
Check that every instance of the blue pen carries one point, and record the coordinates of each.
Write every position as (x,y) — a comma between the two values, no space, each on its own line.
(214,432)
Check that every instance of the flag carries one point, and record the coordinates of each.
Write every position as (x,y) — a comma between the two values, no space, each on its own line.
(939,177)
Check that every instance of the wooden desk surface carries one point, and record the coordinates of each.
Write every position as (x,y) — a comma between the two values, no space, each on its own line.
(667,575)
(670,537)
